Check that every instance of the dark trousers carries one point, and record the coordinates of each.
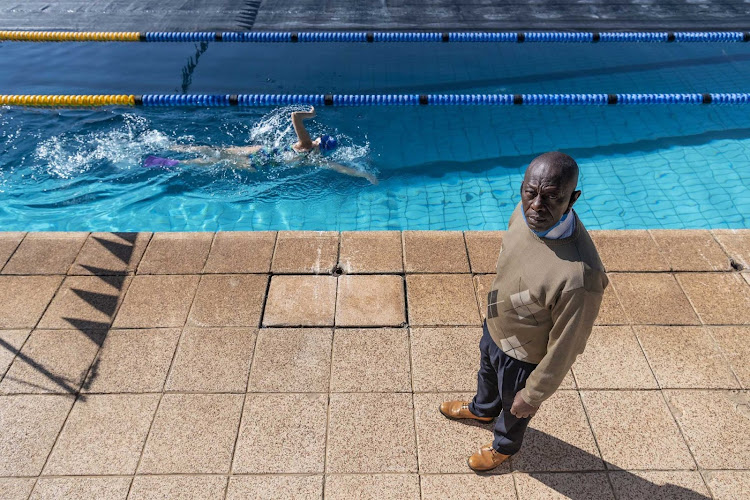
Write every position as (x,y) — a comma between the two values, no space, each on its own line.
(499,378)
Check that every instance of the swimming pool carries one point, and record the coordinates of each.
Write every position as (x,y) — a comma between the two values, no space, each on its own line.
(439,167)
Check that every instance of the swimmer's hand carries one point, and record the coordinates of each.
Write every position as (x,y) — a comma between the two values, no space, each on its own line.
(304,114)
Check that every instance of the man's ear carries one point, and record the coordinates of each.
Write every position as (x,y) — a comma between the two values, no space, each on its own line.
(573,198)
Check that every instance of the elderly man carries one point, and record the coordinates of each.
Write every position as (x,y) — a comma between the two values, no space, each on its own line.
(540,309)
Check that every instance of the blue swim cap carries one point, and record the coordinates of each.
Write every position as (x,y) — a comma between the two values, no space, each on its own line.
(328,143)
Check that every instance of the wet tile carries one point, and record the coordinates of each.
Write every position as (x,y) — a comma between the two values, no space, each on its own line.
(371,433)
(81,488)
(728,485)
(178,488)
(371,252)
(300,301)
(212,360)
(581,486)
(275,487)
(133,361)
(484,249)
(110,253)
(228,300)
(282,433)
(629,251)
(435,252)
(445,359)
(736,244)
(653,299)
(441,299)
(370,301)
(11,342)
(9,241)
(482,286)
(685,357)
(157,301)
(722,415)
(719,298)
(45,253)
(28,428)
(16,488)
(104,434)
(733,342)
(617,416)
(291,360)
(241,252)
(659,485)
(373,487)
(23,299)
(611,311)
(305,252)
(691,250)
(372,360)
(468,487)
(85,302)
(192,434)
(176,253)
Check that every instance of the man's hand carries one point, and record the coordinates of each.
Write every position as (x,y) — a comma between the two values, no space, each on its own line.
(521,408)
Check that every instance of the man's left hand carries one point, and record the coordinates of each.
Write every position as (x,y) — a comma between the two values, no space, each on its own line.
(521,408)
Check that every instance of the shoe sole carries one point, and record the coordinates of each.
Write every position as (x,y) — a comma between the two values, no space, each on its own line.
(484,420)
(483,470)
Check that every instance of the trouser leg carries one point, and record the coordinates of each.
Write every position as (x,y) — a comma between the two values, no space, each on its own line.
(511,378)
(487,402)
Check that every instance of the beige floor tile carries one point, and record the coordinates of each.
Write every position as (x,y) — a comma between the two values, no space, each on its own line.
(9,241)
(484,249)
(746,275)
(719,298)
(468,487)
(110,253)
(441,299)
(629,251)
(613,359)
(445,359)
(659,485)
(300,301)
(45,253)
(623,420)
(611,311)
(282,433)
(157,301)
(178,488)
(716,425)
(29,426)
(16,488)
(685,357)
(371,433)
(482,286)
(736,243)
(291,360)
(373,487)
(241,252)
(104,434)
(85,302)
(23,299)
(733,342)
(228,300)
(435,252)
(370,301)
(580,486)
(371,360)
(212,360)
(52,361)
(81,488)
(176,253)
(653,299)
(371,252)
(275,487)
(728,485)
(192,434)
(11,342)
(133,361)
(691,250)
(305,252)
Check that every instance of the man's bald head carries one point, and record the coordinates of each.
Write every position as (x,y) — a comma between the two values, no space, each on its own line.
(549,189)
(556,165)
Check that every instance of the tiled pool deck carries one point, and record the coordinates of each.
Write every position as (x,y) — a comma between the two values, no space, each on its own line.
(240,365)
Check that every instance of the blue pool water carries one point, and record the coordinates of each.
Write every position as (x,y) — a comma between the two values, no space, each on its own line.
(439,167)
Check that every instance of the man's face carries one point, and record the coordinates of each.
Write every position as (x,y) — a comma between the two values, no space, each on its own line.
(546,196)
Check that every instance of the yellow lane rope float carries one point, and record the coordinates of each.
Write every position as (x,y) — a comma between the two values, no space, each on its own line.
(67,100)
(70,36)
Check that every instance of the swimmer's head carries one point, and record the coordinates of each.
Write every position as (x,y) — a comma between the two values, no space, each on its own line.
(327,143)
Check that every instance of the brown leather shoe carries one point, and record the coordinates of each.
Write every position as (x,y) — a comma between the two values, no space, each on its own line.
(460,409)
(487,458)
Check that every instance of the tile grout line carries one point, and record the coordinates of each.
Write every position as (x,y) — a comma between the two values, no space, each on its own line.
(328,406)
(13,252)
(414,410)
(208,254)
(596,442)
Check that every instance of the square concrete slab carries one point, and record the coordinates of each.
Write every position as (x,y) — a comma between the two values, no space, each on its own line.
(371,433)
(133,361)
(192,434)
(482,286)
(445,359)
(81,488)
(484,249)
(23,299)
(545,486)
(157,301)
(85,301)
(629,251)
(52,361)
(29,426)
(103,435)
(685,357)
(658,485)
(613,359)
(241,252)
(300,301)
(691,250)
(45,253)
(728,485)
(289,360)
(719,298)
(275,487)
(9,241)
(371,252)
(16,488)
(468,487)
(282,433)
(370,301)
(435,252)
(441,300)
(618,417)
(611,311)
(228,300)
(370,361)
(212,360)
(722,415)
(736,244)
(178,488)
(11,342)
(305,252)
(373,487)
(110,253)
(653,299)
(733,342)
(176,253)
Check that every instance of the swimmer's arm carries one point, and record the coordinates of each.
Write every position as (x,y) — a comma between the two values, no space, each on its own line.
(351,171)
(299,127)
(184,148)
